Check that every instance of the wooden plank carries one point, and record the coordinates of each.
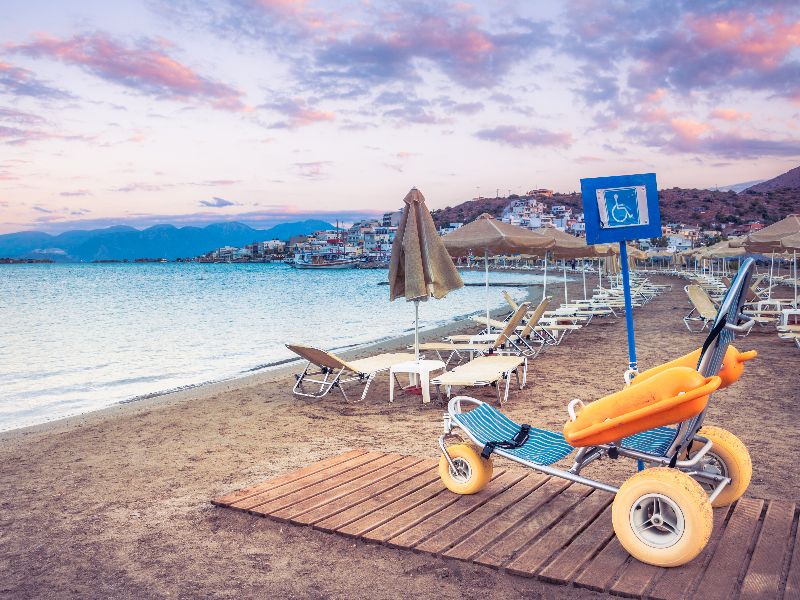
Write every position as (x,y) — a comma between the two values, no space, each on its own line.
(792,590)
(722,573)
(476,520)
(272,506)
(763,576)
(271,494)
(418,467)
(503,551)
(635,579)
(319,500)
(361,526)
(602,571)
(568,563)
(678,581)
(437,510)
(363,510)
(287,477)
(579,517)
(507,521)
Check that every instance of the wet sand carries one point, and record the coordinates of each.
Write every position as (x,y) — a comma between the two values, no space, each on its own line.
(117,503)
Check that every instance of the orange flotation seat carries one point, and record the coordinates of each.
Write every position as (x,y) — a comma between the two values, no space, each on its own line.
(669,396)
(732,366)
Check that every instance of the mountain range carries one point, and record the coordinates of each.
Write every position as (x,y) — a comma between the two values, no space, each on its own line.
(159,241)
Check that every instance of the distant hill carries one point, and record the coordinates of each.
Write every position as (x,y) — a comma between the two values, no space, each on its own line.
(789,180)
(159,241)
(470,210)
(736,187)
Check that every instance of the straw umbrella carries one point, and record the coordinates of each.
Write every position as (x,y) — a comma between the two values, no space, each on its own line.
(420,266)
(494,237)
(769,239)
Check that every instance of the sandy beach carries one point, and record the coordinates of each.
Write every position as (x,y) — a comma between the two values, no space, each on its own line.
(116,503)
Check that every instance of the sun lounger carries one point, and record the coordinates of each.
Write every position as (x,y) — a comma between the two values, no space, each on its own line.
(332,368)
(481,345)
(703,309)
(485,370)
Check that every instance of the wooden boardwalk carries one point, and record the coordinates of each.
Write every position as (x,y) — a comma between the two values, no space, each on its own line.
(530,525)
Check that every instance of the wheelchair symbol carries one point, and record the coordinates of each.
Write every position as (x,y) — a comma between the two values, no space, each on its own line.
(620,207)
(620,212)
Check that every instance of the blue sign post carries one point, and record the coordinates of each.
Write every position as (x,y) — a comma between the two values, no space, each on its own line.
(618,209)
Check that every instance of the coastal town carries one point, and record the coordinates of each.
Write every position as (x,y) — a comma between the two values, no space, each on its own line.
(368,243)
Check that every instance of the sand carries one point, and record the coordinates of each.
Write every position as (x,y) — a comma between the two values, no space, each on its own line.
(117,503)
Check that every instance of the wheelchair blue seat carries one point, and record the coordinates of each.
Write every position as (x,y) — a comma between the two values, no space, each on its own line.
(487,424)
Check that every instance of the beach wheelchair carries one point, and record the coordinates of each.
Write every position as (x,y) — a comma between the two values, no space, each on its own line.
(662,515)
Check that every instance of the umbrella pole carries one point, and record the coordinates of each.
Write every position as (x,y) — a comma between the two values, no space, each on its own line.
(486,277)
(771,264)
(583,269)
(416,330)
(565,283)
(544,286)
(794,262)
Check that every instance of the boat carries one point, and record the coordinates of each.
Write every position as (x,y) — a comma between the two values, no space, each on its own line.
(308,260)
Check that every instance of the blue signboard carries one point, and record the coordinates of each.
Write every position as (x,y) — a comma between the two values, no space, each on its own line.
(620,208)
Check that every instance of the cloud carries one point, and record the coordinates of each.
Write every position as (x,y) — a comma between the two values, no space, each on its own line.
(521,137)
(216,202)
(42,209)
(146,68)
(76,193)
(730,114)
(141,187)
(298,113)
(313,170)
(17,81)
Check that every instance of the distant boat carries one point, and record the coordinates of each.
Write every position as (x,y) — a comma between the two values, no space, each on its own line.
(324,261)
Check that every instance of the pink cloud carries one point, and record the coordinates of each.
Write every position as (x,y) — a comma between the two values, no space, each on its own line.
(688,128)
(755,41)
(146,68)
(298,113)
(729,114)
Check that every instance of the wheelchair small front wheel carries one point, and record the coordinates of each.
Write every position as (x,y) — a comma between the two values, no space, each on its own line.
(469,474)
(662,517)
(728,457)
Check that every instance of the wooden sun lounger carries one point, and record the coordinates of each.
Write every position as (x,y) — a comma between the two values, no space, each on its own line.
(493,343)
(485,370)
(332,367)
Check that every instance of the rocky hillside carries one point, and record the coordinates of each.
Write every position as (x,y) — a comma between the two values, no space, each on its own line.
(788,180)
(706,208)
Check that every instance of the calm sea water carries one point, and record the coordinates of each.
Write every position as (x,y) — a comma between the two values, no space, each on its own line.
(76,338)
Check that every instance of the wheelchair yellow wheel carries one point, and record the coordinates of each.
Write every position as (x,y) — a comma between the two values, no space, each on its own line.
(662,517)
(470,473)
(729,457)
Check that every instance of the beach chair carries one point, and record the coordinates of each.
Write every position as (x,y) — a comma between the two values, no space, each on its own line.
(662,515)
(332,369)
(703,309)
(485,370)
(479,344)
(531,337)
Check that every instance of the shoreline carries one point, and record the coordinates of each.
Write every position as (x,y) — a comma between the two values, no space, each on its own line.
(254,376)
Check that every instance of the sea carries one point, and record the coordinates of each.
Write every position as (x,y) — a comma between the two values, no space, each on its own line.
(80,337)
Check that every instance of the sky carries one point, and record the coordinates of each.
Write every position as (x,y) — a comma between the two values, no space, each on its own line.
(140,112)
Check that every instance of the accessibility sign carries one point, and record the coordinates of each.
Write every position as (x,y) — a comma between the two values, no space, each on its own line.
(621,208)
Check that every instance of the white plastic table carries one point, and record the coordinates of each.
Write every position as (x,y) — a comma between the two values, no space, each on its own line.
(415,368)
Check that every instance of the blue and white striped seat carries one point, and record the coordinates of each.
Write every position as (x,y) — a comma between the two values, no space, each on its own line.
(654,441)
(487,424)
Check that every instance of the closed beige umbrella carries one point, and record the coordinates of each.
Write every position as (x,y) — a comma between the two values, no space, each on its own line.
(494,237)
(420,266)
